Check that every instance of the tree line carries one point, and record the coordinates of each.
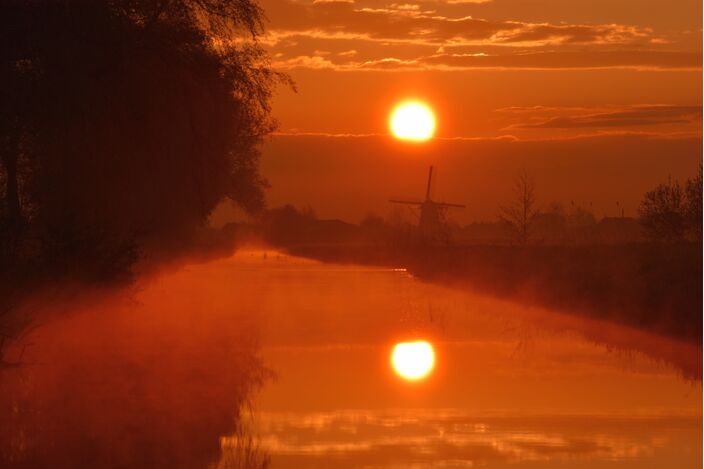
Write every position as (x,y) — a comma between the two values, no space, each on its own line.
(670,212)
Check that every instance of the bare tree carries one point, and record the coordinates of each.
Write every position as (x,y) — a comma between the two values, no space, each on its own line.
(521,212)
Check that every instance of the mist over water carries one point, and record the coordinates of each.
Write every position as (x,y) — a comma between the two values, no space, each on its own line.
(149,377)
(157,375)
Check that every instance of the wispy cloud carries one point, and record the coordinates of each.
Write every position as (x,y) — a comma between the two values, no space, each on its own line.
(628,116)
(413,23)
(542,60)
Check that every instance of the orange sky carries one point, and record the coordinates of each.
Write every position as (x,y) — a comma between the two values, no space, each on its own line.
(532,72)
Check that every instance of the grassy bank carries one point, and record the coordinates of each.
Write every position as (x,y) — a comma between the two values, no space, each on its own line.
(655,287)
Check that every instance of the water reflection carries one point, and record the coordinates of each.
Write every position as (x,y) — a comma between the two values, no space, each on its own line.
(456,438)
(156,378)
(514,385)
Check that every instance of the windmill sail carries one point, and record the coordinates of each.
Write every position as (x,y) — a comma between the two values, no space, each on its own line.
(431,213)
(430,179)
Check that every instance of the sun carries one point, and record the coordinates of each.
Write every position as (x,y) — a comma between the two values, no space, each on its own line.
(412,120)
(413,360)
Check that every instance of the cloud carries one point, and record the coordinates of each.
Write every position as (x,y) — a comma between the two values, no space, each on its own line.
(594,59)
(405,36)
(411,23)
(306,61)
(542,60)
(422,35)
(631,116)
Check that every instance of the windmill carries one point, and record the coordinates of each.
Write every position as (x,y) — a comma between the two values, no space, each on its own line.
(432,213)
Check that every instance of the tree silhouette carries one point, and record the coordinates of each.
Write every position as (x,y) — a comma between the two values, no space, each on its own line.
(693,207)
(122,124)
(520,213)
(136,117)
(662,212)
(672,212)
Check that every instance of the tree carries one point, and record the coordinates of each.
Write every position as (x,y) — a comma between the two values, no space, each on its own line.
(662,212)
(145,114)
(121,121)
(693,206)
(520,213)
(17,100)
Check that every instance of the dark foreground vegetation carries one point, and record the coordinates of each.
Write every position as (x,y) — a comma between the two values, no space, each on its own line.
(123,123)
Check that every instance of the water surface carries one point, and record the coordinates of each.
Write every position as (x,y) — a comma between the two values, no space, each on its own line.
(155,376)
(513,385)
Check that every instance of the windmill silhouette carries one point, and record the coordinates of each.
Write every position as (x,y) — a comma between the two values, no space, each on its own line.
(432,214)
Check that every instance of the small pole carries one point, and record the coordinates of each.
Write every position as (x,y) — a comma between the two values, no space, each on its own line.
(430,178)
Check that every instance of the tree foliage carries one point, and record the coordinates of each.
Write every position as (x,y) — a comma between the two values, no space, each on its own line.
(693,206)
(131,117)
(672,212)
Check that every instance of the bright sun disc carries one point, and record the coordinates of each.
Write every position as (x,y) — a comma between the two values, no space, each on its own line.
(413,360)
(412,120)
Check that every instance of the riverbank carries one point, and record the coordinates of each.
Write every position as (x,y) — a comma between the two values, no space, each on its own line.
(654,287)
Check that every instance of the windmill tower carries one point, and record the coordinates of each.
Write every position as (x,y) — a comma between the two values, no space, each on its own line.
(432,213)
